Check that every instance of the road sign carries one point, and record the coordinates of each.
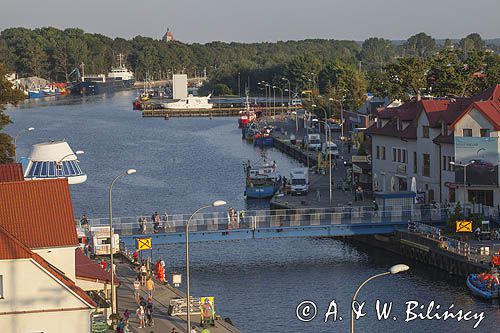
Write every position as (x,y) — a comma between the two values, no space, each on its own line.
(144,244)
(464,226)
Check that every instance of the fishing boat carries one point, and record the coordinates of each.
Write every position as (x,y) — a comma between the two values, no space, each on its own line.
(262,181)
(35,93)
(247,115)
(483,285)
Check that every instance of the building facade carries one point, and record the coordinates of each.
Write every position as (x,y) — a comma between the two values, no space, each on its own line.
(412,145)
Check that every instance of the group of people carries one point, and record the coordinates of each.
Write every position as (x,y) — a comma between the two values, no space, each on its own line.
(156,220)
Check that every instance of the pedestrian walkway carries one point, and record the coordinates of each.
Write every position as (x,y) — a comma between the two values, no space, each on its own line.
(161,297)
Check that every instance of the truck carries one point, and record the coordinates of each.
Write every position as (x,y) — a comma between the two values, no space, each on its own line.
(313,141)
(330,148)
(100,241)
(299,181)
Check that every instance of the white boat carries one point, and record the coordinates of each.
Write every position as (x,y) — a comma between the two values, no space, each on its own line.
(189,103)
(49,160)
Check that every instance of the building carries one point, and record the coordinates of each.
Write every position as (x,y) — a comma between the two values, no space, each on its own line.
(43,280)
(168,37)
(417,141)
(11,172)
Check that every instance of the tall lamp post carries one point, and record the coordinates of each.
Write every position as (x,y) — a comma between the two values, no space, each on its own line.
(289,109)
(281,90)
(265,85)
(29,129)
(216,203)
(341,115)
(113,296)
(328,143)
(393,270)
(465,179)
(289,92)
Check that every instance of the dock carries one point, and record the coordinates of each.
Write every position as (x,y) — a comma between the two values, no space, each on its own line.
(162,295)
(214,112)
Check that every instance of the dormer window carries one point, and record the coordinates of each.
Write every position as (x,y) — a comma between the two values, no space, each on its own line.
(425,131)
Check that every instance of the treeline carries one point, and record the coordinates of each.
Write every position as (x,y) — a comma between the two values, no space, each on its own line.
(334,69)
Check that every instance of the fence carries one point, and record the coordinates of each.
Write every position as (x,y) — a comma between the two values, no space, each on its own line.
(281,218)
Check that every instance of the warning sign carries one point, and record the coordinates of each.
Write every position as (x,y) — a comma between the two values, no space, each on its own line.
(464,226)
(144,244)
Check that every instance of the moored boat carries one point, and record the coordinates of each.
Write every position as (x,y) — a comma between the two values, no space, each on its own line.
(246,116)
(483,285)
(261,181)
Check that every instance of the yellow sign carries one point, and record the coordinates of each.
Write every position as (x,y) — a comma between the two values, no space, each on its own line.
(144,244)
(464,226)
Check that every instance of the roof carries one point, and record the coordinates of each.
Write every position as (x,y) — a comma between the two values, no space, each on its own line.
(11,172)
(438,112)
(13,248)
(38,213)
(88,269)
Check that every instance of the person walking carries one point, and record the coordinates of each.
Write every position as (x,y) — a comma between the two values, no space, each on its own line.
(141,316)
(137,289)
(149,312)
(150,286)
(193,330)
(143,271)
(84,222)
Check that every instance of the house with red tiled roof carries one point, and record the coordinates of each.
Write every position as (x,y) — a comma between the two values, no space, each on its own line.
(416,140)
(11,172)
(35,296)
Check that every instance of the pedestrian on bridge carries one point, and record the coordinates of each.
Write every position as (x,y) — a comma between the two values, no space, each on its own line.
(150,286)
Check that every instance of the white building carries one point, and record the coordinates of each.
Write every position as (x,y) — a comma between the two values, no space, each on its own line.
(37,259)
(416,140)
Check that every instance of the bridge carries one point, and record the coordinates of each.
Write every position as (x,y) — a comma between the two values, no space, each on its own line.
(259,224)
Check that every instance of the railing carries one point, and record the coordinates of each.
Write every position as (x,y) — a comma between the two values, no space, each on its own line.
(282,218)
(446,243)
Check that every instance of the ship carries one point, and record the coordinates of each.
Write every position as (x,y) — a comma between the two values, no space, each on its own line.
(119,78)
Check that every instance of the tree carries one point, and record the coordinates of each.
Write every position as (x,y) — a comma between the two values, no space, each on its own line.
(446,74)
(405,78)
(375,52)
(8,95)
(420,45)
(472,42)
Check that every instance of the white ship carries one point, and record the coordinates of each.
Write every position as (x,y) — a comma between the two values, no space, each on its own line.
(189,103)
(49,160)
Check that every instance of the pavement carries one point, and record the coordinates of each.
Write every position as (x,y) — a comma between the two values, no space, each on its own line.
(161,297)
(319,190)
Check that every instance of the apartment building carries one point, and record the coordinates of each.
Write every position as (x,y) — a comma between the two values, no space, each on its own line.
(417,141)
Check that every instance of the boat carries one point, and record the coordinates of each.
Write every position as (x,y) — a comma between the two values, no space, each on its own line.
(247,115)
(54,159)
(189,103)
(119,78)
(262,181)
(483,285)
(35,93)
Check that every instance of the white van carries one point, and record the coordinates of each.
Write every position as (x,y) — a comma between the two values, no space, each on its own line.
(313,141)
(299,181)
(100,241)
(330,148)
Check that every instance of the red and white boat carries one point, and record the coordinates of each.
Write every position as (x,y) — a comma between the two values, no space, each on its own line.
(246,116)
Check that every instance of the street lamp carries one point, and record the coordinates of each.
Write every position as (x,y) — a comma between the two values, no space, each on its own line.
(341,115)
(465,177)
(289,91)
(59,163)
(328,143)
(281,90)
(29,129)
(289,108)
(393,270)
(216,203)
(113,296)
(265,85)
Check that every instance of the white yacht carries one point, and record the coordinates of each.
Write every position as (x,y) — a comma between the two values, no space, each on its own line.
(189,103)
(55,159)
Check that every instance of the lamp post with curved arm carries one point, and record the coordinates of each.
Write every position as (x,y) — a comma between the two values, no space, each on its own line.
(59,162)
(112,270)
(289,92)
(465,178)
(29,129)
(216,203)
(393,270)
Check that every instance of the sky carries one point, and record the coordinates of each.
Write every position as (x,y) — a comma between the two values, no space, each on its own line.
(260,20)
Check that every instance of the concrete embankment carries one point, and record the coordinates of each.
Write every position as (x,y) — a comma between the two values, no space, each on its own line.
(428,251)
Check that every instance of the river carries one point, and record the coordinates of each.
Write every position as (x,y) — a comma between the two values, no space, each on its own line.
(184,163)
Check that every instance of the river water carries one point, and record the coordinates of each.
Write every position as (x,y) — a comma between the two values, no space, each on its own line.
(186,163)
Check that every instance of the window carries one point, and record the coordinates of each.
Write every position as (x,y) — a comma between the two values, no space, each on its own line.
(383,153)
(378,152)
(1,286)
(452,167)
(399,155)
(425,131)
(415,169)
(405,156)
(426,169)
(451,195)
(467,132)
(445,163)
(394,154)
(485,132)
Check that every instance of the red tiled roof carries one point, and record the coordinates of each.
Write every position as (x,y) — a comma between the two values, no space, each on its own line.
(38,212)
(11,172)
(13,248)
(87,269)
(492,93)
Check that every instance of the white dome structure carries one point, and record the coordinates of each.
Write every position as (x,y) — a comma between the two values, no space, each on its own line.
(49,160)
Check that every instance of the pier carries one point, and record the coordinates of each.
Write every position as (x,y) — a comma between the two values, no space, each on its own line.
(153,111)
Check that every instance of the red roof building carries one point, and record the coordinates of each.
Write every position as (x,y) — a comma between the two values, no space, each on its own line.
(38,213)
(12,172)
(89,270)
